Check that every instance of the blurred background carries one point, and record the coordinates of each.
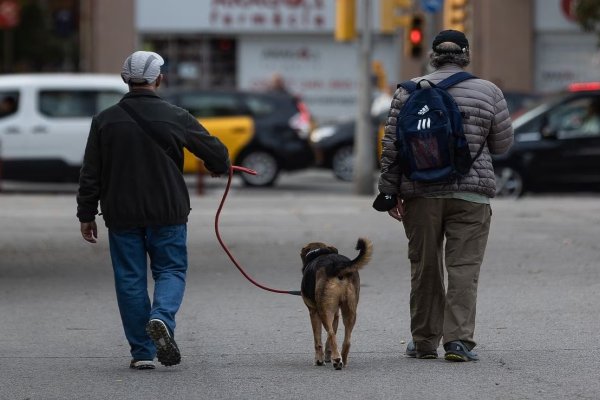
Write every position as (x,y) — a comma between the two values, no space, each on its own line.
(522,45)
(313,51)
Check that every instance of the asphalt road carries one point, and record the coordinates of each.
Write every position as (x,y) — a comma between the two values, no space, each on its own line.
(538,312)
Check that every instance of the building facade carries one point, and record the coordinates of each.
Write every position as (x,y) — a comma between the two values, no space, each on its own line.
(522,45)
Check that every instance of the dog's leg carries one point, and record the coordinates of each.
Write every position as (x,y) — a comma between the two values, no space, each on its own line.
(349,316)
(336,321)
(315,321)
(328,317)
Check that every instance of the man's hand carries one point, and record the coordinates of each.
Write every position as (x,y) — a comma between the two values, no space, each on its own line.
(89,231)
(398,211)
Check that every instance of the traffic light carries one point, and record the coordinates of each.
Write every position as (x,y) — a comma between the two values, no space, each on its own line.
(345,20)
(414,36)
(390,14)
(456,14)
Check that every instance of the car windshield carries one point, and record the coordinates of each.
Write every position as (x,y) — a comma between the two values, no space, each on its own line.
(542,105)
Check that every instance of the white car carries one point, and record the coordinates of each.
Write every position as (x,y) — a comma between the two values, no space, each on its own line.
(45,120)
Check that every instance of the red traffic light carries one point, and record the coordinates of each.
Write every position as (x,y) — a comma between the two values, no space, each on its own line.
(415,36)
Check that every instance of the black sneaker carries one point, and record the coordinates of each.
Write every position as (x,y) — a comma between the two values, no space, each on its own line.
(411,351)
(458,351)
(167,351)
(142,364)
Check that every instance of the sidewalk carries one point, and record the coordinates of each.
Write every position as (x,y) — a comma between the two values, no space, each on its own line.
(537,325)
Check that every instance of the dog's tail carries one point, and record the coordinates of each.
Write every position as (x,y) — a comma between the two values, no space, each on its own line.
(365,251)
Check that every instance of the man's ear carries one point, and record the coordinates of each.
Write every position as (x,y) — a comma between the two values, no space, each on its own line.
(158,80)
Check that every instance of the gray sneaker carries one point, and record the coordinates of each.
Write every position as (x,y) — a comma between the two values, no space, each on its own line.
(167,351)
(411,351)
(458,351)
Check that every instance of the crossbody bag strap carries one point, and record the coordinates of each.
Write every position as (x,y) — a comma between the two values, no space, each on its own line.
(149,131)
(145,125)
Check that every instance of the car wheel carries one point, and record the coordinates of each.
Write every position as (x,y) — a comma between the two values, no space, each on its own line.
(265,165)
(342,163)
(509,183)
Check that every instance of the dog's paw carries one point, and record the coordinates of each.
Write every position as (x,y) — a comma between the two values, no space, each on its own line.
(328,356)
(319,363)
(338,364)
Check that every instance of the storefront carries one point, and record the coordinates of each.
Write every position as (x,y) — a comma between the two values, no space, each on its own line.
(563,53)
(244,43)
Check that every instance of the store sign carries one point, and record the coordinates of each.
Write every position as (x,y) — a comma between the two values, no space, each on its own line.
(9,14)
(237,16)
(268,14)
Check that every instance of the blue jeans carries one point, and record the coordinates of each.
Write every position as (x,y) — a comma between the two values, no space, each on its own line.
(167,251)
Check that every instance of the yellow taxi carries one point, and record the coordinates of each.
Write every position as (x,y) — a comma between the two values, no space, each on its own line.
(264,131)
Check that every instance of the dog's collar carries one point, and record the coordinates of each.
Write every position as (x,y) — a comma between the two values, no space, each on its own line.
(311,255)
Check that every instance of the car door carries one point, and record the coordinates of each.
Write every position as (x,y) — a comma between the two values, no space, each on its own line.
(574,125)
(12,129)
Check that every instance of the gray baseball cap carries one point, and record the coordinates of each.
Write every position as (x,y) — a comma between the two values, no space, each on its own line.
(142,67)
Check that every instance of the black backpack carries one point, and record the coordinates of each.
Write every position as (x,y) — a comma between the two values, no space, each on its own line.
(430,139)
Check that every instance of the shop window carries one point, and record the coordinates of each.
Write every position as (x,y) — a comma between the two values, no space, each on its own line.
(195,61)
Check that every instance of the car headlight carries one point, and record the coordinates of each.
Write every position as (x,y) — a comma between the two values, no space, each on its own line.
(322,133)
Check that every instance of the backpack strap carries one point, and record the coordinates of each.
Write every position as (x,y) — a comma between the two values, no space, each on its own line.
(454,79)
(450,81)
(409,85)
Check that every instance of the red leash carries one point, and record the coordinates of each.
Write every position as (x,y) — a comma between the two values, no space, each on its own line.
(231,257)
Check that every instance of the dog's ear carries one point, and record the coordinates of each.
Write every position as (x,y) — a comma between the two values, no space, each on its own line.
(332,249)
(304,252)
(313,246)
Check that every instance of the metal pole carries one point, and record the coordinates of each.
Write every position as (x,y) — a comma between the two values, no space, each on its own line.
(365,135)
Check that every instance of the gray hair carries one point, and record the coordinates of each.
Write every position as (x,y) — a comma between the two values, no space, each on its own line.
(449,53)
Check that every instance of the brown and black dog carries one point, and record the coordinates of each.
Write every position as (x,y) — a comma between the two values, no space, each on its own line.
(330,282)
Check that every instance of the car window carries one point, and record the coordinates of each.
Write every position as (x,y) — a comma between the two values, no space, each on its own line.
(9,103)
(210,105)
(577,118)
(260,106)
(75,103)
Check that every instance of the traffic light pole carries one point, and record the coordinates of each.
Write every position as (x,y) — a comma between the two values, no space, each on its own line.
(364,136)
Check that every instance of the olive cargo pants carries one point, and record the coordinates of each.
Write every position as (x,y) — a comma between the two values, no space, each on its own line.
(435,312)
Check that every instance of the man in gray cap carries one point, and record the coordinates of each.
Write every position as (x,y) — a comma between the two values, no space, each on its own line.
(133,166)
(457,209)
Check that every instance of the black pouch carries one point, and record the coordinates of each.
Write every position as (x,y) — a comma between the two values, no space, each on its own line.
(384,202)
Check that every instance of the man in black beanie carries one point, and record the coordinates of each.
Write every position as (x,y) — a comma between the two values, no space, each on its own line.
(456,210)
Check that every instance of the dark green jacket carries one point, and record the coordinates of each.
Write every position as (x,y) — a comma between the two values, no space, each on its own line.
(137,180)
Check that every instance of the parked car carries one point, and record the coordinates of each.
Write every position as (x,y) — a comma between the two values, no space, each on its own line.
(334,145)
(557,145)
(45,121)
(269,131)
